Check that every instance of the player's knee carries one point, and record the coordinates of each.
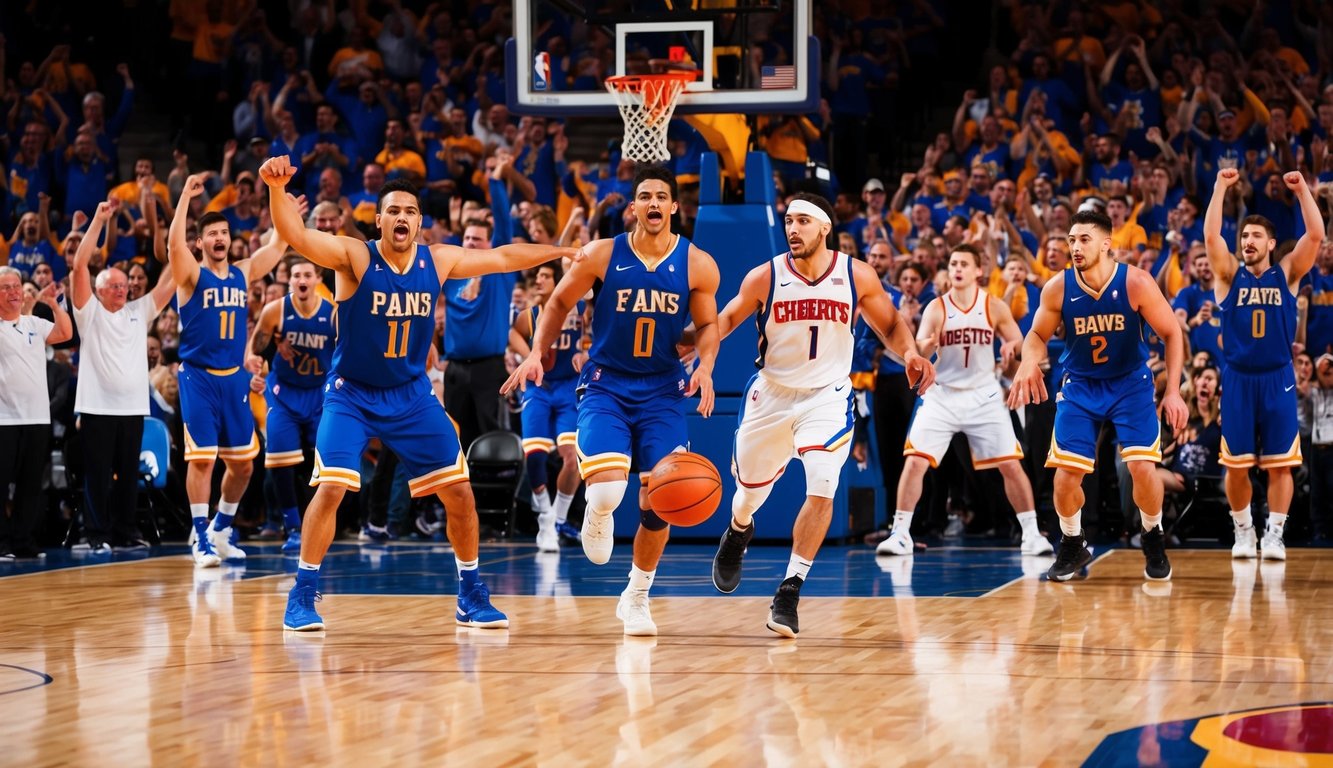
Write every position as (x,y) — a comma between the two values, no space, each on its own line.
(604,497)
(822,470)
(915,466)
(649,519)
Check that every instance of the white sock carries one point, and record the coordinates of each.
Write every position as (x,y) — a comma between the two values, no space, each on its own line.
(639,579)
(228,507)
(541,502)
(1072,525)
(199,511)
(798,566)
(902,520)
(465,565)
(1242,517)
(1150,521)
(1277,521)
(303,565)
(1028,522)
(562,502)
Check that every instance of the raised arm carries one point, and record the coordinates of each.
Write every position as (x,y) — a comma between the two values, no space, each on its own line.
(576,283)
(890,326)
(703,312)
(748,300)
(463,263)
(64,328)
(80,279)
(1147,298)
(336,252)
(1307,248)
(179,256)
(1219,253)
(1029,383)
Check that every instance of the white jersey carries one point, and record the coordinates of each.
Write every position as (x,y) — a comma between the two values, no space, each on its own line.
(805,330)
(965,356)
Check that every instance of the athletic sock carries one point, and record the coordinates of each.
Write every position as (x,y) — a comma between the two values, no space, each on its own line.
(562,502)
(1072,525)
(1242,517)
(639,579)
(226,511)
(1150,521)
(902,520)
(798,566)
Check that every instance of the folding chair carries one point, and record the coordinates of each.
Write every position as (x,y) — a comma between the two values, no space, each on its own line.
(495,464)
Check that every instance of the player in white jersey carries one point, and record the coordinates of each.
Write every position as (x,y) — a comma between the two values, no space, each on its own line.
(799,404)
(960,328)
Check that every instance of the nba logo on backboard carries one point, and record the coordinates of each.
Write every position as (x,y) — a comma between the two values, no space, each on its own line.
(541,72)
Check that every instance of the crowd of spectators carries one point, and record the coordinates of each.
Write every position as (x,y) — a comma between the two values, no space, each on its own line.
(1124,104)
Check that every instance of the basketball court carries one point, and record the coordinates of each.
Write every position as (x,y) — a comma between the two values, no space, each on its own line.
(957,656)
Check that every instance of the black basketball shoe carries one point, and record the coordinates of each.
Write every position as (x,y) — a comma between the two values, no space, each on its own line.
(727,561)
(1157,567)
(1071,557)
(782,613)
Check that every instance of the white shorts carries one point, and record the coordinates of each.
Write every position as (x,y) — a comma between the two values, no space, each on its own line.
(778,423)
(980,414)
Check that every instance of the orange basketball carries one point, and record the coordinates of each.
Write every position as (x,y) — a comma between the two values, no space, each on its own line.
(684,489)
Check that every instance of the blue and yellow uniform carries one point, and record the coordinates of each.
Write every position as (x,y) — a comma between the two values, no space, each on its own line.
(378,385)
(1258,384)
(214,389)
(296,388)
(1106,376)
(550,412)
(632,390)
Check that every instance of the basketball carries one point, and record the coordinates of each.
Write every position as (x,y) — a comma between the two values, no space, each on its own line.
(684,489)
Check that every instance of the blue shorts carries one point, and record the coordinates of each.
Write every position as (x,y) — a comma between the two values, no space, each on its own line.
(293,417)
(1259,419)
(629,421)
(550,415)
(216,410)
(1084,404)
(408,419)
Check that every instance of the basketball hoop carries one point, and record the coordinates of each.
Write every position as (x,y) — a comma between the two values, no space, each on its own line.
(646,103)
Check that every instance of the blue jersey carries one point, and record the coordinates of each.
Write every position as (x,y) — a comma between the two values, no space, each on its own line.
(1259,321)
(1103,332)
(639,314)
(311,339)
(479,327)
(566,344)
(385,328)
(213,320)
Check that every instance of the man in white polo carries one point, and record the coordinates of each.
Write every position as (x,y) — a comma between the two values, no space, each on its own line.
(25,409)
(112,397)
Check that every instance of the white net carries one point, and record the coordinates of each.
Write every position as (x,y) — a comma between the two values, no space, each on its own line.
(646,103)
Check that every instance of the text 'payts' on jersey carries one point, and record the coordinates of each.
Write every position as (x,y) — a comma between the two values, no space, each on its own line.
(805,329)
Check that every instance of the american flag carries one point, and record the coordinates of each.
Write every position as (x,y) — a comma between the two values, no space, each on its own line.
(778,77)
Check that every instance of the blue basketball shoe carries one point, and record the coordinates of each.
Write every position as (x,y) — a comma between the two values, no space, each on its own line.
(475,609)
(301,615)
(292,546)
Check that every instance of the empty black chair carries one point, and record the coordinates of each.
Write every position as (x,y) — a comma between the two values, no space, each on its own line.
(495,463)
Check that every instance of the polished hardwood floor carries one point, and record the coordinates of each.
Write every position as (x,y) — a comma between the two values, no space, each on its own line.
(154,663)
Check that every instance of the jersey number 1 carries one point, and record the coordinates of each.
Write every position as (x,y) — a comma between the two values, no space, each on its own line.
(399,341)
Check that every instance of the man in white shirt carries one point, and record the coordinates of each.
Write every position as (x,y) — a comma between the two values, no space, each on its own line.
(25,409)
(112,397)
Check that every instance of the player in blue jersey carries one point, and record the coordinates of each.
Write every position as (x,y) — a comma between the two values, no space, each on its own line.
(1104,306)
(1258,305)
(387,290)
(214,388)
(633,387)
(304,326)
(550,412)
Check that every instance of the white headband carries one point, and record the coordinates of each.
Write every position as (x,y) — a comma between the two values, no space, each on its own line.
(809,209)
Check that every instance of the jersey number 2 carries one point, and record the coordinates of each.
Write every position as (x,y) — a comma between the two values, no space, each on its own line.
(1099,349)
(644,328)
(396,340)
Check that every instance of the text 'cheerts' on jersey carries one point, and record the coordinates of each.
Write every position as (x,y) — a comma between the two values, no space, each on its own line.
(640,313)
(805,328)
(1103,332)
(213,320)
(311,338)
(385,328)
(566,344)
(1258,321)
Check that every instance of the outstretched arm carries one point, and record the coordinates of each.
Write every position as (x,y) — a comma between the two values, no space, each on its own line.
(80,279)
(1219,253)
(750,299)
(573,286)
(179,256)
(1029,383)
(335,252)
(1307,248)
(464,263)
